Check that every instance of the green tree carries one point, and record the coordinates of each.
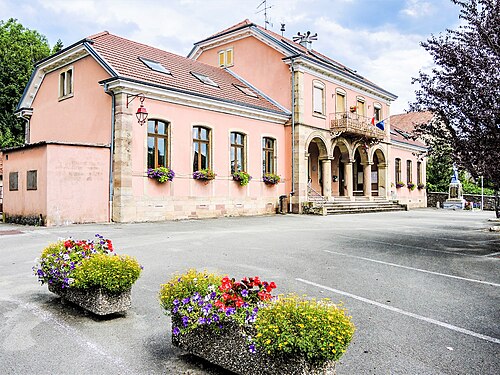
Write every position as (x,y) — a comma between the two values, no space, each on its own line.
(439,166)
(20,49)
(463,90)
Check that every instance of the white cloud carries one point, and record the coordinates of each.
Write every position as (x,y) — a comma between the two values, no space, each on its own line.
(417,9)
(385,56)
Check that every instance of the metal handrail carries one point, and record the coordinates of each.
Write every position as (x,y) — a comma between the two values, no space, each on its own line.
(310,190)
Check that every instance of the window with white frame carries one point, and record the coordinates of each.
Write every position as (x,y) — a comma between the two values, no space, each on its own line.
(360,106)
(237,152)
(66,83)
(340,101)
(268,155)
(318,98)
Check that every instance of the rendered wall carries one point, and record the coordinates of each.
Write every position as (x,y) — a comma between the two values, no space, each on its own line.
(83,118)
(413,198)
(25,206)
(186,197)
(256,62)
(78,184)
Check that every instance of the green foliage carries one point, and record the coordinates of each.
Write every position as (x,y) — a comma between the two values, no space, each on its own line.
(204,174)
(186,284)
(469,187)
(439,166)
(20,49)
(271,178)
(293,325)
(115,273)
(243,177)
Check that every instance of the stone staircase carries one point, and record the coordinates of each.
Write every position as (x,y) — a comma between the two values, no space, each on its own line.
(342,205)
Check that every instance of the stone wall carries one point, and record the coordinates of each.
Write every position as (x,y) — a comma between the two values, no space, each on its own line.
(489,200)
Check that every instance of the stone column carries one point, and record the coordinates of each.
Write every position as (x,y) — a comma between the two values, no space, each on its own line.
(326,165)
(367,180)
(123,199)
(348,179)
(383,186)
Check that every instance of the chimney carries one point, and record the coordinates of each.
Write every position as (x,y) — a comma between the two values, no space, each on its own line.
(305,40)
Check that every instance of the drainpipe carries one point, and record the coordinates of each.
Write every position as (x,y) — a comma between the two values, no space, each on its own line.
(292,192)
(111,151)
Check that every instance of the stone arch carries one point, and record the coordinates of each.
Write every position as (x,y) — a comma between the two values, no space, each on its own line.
(379,172)
(344,147)
(341,153)
(317,154)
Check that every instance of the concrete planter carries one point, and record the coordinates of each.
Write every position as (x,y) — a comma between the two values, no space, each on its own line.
(96,300)
(228,348)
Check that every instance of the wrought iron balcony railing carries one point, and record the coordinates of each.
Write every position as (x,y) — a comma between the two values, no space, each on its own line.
(354,124)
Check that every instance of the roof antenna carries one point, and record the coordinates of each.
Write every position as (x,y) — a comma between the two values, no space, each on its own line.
(282,29)
(266,20)
(305,40)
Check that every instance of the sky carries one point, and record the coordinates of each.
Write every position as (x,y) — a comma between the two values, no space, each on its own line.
(380,39)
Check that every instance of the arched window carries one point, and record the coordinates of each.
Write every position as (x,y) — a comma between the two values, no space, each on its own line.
(397,170)
(158,153)
(237,152)
(201,148)
(268,155)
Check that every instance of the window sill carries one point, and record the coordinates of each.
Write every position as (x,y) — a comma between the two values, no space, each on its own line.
(61,98)
(319,115)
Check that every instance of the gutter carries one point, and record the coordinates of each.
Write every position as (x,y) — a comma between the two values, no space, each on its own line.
(292,192)
(111,151)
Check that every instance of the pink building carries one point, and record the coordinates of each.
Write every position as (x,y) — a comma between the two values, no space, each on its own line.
(245,99)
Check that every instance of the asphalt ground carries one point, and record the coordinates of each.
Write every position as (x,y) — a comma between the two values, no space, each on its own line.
(422,287)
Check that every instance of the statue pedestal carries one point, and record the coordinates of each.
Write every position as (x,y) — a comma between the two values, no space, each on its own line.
(454,204)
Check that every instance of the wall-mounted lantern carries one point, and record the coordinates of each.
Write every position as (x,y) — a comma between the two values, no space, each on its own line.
(142,113)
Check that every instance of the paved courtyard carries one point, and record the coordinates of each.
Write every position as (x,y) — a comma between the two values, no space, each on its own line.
(423,288)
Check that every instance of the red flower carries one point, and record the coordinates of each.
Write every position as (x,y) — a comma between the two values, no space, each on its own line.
(273,285)
(67,244)
(110,245)
(256,281)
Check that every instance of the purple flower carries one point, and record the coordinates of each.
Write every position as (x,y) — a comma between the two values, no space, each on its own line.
(244,292)
(251,348)
(202,320)
(176,331)
(190,308)
(186,300)
(176,302)
(206,309)
(175,309)
(215,318)
(230,311)
(196,296)
(185,321)
(213,295)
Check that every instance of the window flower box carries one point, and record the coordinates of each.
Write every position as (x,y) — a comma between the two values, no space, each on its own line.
(161,174)
(271,179)
(241,327)
(411,186)
(242,177)
(400,184)
(204,175)
(89,274)
(420,186)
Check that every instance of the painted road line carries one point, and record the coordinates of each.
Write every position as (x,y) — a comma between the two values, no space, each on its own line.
(413,269)
(403,312)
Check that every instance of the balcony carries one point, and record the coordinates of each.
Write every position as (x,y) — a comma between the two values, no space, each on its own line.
(350,123)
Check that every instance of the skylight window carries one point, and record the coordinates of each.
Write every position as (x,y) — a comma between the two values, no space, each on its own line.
(246,91)
(156,66)
(204,79)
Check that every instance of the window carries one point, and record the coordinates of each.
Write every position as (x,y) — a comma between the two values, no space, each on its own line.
(204,79)
(31,180)
(360,107)
(66,83)
(377,112)
(13,181)
(226,58)
(238,162)
(157,144)
(397,170)
(201,148)
(156,66)
(408,171)
(268,155)
(246,91)
(419,173)
(340,102)
(318,98)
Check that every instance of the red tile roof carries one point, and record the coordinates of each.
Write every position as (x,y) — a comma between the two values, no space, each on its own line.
(403,125)
(123,56)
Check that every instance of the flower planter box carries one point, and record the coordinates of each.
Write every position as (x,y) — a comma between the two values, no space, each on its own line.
(229,348)
(96,300)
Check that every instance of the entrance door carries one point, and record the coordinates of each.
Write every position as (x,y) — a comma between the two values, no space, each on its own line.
(341,179)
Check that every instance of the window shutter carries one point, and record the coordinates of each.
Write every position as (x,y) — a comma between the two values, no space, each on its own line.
(318,100)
